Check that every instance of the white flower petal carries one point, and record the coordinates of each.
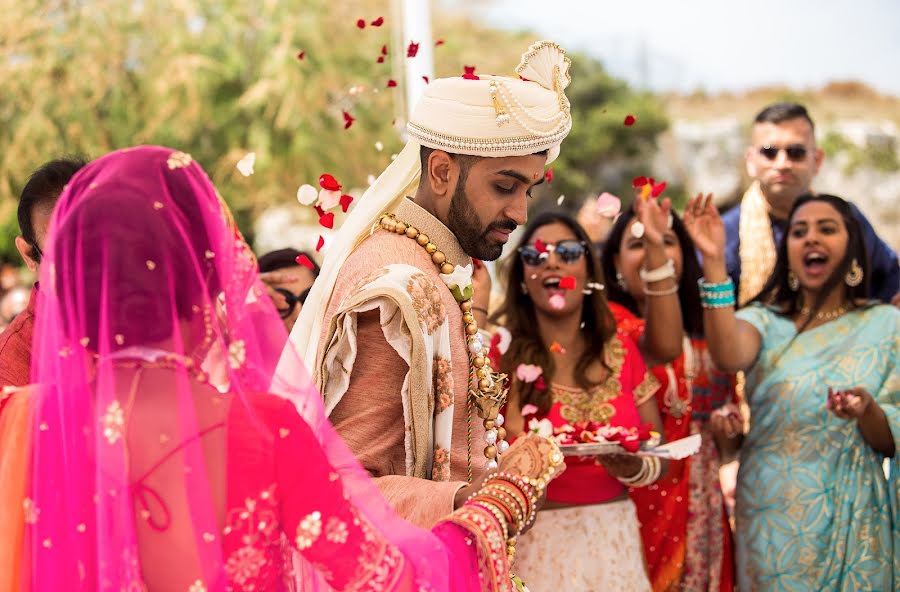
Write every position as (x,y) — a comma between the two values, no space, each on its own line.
(245,165)
(307,195)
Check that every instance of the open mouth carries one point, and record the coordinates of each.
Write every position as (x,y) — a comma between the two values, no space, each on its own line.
(551,285)
(814,262)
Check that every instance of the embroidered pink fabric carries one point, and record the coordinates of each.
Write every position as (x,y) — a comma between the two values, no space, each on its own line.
(162,460)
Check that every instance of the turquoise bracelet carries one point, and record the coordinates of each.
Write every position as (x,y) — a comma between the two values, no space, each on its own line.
(717,288)
(718,300)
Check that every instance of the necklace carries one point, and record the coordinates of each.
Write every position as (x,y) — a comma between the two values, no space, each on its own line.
(487,389)
(822,315)
(135,357)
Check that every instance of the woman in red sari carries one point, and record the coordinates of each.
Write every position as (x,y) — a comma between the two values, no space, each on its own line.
(591,377)
(684,526)
(164,457)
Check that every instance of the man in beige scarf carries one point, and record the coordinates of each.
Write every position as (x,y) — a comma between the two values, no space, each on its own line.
(390,327)
(783,160)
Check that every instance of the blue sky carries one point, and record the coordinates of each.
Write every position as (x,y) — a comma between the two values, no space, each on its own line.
(718,44)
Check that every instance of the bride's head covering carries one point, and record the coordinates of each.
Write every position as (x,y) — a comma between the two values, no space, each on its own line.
(488,116)
(146,270)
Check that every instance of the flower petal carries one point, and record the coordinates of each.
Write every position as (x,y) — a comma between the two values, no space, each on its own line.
(556,348)
(320,244)
(557,302)
(529,409)
(380,59)
(412,50)
(377,22)
(629,120)
(658,188)
(469,73)
(301,55)
(384,50)
(426,79)
(361,24)
(327,220)
(391,83)
(608,205)
(548,176)
(639,181)
(305,261)
(328,182)
(307,195)
(245,165)
(348,120)
(346,200)
(567,283)
(439,43)
(328,199)
(528,372)
(540,246)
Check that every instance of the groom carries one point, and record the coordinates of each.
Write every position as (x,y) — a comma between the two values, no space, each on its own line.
(390,328)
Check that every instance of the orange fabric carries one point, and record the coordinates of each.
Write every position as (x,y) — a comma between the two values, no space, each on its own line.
(14,445)
(370,415)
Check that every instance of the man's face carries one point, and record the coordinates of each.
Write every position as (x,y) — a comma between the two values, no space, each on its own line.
(784,159)
(492,201)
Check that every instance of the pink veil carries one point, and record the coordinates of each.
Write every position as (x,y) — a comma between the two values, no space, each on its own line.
(145,260)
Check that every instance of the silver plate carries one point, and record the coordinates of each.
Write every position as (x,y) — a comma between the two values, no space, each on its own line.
(592,449)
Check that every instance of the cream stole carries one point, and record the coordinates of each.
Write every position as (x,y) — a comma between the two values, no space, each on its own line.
(757,245)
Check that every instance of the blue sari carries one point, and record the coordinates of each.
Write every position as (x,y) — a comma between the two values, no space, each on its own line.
(814,508)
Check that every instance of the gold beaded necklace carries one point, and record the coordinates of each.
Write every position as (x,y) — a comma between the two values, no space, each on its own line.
(822,315)
(487,389)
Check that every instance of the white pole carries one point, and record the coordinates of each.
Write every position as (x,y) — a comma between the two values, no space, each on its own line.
(417,29)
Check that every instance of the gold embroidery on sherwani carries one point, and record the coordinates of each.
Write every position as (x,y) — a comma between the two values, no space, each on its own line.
(577,405)
(427,301)
(443,384)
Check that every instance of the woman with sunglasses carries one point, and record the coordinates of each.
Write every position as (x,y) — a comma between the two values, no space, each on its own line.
(815,510)
(684,525)
(591,376)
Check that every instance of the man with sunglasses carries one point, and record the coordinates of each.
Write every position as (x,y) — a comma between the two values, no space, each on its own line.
(782,160)
(36,204)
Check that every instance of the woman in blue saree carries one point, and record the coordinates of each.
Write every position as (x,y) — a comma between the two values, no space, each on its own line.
(815,510)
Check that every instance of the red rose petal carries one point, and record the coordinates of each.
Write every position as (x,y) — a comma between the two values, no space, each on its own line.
(567,283)
(540,384)
(425,78)
(658,188)
(361,24)
(346,200)
(348,120)
(320,244)
(328,182)
(629,120)
(469,73)
(380,59)
(305,261)
(630,445)
(319,210)
(439,43)
(377,22)
(301,55)
(540,246)
(384,50)
(639,181)
(548,176)
(391,83)
(412,50)
(327,220)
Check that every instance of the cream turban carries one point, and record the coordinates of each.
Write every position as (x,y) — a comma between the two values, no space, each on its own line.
(491,116)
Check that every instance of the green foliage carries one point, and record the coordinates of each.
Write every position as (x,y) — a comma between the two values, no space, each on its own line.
(881,157)
(601,153)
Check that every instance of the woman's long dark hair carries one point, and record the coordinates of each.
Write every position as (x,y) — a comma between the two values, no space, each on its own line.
(778,293)
(688,290)
(518,316)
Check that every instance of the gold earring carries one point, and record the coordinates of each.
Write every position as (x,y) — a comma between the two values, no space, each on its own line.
(854,277)
(793,281)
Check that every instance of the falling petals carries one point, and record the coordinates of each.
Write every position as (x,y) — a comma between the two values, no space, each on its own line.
(348,120)
(426,79)
(328,182)
(327,220)
(548,176)
(328,199)
(529,409)
(345,202)
(391,83)
(560,200)
(557,302)
(305,261)
(384,50)
(245,165)
(320,244)
(556,348)
(412,50)
(378,146)
(439,43)
(505,338)
(540,384)
(380,59)
(307,195)
(540,246)
(361,24)
(377,22)
(608,205)
(567,283)
(528,372)
(639,181)
(658,188)
(469,73)
(629,120)
(301,55)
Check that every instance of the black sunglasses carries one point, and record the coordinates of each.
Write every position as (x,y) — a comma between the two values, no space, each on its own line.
(292,301)
(569,251)
(794,152)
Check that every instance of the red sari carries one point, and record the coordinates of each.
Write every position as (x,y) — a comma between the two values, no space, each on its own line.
(684,525)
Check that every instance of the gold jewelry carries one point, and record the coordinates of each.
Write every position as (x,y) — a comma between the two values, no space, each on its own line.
(855,276)
(487,389)
(822,315)
(793,281)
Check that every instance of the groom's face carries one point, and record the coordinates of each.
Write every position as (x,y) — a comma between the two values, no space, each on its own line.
(491,200)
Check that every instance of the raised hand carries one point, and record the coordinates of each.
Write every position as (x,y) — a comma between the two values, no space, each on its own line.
(726,422)
(705,226)
(849,404)
(655,216)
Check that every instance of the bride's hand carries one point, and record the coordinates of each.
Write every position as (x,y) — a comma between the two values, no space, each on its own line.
(705,226)
(533,457)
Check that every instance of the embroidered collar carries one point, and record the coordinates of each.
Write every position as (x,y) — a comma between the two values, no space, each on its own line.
(417,216)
